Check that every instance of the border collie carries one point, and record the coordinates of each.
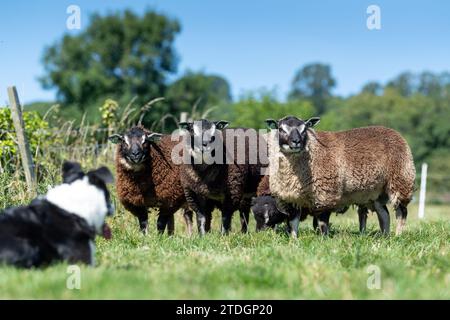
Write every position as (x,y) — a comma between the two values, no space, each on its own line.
(61,225)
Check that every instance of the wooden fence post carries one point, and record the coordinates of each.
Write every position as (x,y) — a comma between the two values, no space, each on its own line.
(24,147)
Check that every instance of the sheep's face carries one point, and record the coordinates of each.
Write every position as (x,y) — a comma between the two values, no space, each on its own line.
(204,134)
(292,132)
(135,145)
(266,212)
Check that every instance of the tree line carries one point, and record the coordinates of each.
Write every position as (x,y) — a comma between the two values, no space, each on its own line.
(121,56)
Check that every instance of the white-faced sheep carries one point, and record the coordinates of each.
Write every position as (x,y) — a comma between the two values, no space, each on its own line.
(268,213)
(368,167)
(203,178)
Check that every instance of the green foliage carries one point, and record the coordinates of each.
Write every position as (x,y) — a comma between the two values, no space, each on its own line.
(426,83)
(197,88)
(253,110)
(109,113)
(372,87)
(421,119)
(119,56)
(314,82)
(36,129)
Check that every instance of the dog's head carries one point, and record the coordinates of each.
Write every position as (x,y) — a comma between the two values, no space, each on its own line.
(85,194)
(266,212)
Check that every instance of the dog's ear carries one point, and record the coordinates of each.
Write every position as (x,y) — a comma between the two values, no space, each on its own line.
(103,174)
(71,171)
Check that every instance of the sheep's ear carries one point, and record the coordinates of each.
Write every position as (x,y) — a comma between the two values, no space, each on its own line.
(103,174)
(253,202)
(281,208)
(185,125)
(71,171)
(221,124)
(272,124)
(312,122)
(154,137)
(115,138)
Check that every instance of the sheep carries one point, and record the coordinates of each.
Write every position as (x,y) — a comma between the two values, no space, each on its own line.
(230,184)
(268,214)
(368,167)
(147,177)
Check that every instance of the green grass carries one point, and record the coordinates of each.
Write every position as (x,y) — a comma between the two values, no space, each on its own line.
(267,265)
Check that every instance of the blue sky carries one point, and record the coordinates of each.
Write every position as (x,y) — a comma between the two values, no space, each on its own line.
(253,44)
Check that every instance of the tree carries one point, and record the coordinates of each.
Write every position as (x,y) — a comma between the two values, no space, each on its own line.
(208,90)
(405,84)
(314,82)
(372,87)
(252,110)
(118,56)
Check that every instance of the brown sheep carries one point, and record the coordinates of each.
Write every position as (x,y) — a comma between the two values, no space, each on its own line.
(367,167)
(204,178)
(146,177)
(268,213)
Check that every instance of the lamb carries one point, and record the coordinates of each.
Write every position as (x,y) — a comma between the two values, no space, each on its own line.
(203,178)
(268,214)
(147,177)
(368,167)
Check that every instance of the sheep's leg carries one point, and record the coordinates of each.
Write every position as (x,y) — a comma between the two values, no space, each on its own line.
(208,217)
(227,215)
(383,217)
(294,222)
(201,222)
(171,225)
(162,222)
(324,223)
(188,218)
(362,215)
(143,223)
(245,216)
(194,203)
(401,212)
(244,213)
(226,221)
(209,207)
(315,223)
(141,213)
(293,219)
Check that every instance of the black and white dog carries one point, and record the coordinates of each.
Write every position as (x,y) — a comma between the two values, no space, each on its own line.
(61,225)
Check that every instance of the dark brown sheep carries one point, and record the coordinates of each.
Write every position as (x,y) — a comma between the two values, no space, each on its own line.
(147,178)
(205,177)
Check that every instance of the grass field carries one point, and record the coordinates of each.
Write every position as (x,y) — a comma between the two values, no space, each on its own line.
(267,265)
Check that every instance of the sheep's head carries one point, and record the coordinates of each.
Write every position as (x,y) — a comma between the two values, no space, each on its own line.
(292,132)
(204,134)
(134,145)
(266,212)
